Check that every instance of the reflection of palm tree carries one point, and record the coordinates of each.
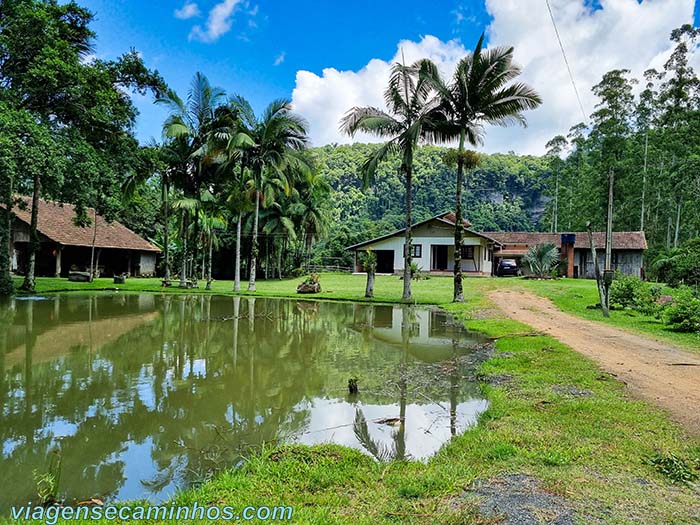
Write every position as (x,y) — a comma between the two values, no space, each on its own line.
(382,452)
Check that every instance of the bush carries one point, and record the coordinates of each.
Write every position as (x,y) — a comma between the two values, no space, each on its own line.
(683,314)
(680,265)
(628,291)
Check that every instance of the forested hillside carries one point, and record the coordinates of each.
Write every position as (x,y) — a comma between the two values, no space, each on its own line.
(507,192)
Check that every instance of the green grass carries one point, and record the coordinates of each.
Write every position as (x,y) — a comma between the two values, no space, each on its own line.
(575,295)
(335,286)
(593,451)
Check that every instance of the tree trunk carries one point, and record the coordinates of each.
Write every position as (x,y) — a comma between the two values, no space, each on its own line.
(602,293)
(92,248)
(6,285)
(369,289)
(209,262)
(183,266)
(458,291)
(679,209)
(195,247)
(555,219)
(34,245)
(237,270)
(609,225)
(254,248)
(644,181)
(166,228)
(407,256)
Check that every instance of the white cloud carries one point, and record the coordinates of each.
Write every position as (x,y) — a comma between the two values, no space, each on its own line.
(218,23)
(623,34)
(189,10)
(324,99)
(279,59)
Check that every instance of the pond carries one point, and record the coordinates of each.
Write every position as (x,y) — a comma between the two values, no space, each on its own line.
(140,394)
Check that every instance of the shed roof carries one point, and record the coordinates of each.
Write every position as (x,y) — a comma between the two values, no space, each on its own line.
(56,221)
(621,240)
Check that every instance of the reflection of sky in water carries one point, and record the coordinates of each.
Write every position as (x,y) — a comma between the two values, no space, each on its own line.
(427,426)
(139,471)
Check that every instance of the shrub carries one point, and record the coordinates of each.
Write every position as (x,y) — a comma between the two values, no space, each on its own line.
(683,314)
(542,259)
(676,469)
(680,265)
(628,291)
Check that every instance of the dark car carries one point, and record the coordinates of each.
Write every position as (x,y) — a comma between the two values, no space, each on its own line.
(507,267)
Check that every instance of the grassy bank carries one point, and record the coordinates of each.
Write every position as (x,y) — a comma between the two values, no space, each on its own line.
(590,447)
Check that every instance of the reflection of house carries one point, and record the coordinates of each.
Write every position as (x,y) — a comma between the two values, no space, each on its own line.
(433,242)
(65,245)
(430,336)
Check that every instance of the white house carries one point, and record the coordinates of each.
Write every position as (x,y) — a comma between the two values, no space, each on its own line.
(433,242)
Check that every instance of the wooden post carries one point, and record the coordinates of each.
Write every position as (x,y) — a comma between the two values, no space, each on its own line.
(59,251)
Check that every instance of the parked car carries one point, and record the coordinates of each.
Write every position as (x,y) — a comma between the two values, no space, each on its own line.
(508,267)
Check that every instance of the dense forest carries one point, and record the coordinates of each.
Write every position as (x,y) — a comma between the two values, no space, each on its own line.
(228,189)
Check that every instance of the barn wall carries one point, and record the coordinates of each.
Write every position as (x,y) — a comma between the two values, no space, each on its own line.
(147,266)
(627,262)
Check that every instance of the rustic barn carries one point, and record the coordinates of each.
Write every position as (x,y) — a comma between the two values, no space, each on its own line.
(627,250)
(66,246)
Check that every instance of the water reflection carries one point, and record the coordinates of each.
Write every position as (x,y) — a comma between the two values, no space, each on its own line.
(146,393)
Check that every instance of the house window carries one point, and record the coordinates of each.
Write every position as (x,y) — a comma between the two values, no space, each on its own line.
(467,252)
(615,259)
(417,250)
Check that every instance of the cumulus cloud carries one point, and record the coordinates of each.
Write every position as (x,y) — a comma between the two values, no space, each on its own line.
(623,34)
(279,59)
(218,23)
(189,10)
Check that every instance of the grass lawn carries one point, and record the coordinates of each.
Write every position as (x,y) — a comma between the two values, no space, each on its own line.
(592,450)
(575,295)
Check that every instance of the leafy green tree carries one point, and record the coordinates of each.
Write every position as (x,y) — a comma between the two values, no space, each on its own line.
(187,131)
(278,137)
(80,103)
(481,92)
(409,120)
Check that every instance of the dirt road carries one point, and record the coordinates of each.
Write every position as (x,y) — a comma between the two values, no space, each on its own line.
(654,371)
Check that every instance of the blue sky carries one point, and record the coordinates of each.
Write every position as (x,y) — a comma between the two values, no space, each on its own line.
(330,55)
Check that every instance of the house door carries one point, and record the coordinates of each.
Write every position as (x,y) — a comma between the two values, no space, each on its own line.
(385,261)
(440,253)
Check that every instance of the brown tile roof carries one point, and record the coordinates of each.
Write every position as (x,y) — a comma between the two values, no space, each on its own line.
(55,221)
(621,240)
(450,217)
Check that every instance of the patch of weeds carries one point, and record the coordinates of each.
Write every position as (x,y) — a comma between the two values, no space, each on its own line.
(502,451)
(677,469)
(554,458)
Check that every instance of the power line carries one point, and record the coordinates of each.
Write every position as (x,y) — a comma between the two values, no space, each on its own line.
(566,61)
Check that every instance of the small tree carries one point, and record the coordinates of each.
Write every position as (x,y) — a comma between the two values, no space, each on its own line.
(542,259)
(370,265)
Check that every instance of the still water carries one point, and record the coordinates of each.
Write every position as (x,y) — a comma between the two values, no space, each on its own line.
(142,394)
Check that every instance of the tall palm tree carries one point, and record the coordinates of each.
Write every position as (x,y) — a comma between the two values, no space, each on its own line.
(408,120)
(234,137)
(187,131)
(278,137)
(479,93)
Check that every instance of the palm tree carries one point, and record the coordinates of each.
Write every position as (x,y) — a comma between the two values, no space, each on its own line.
(211,222)
(234,138)
(278,137)
(408,120)
(480,93)
(187,130)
